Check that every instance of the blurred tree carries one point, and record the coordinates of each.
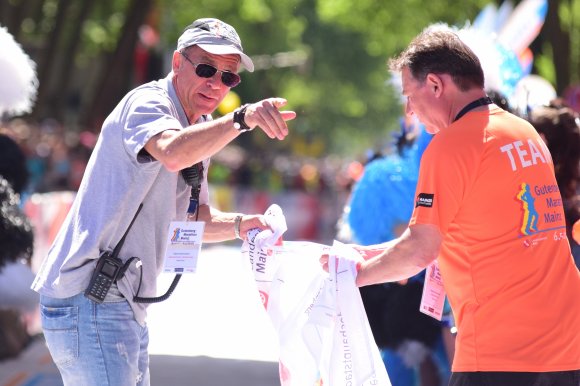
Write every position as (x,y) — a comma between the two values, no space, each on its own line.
(327,57)
(113,81)
(72,40)
(559,45)
(340,90)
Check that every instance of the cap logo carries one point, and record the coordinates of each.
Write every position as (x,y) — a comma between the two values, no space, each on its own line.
(219,29)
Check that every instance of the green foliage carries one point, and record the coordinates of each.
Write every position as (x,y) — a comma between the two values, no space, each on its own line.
(569,15)
(544,64)
(327,57)
(387,26)
(100,32)
(557,49)
(341,91)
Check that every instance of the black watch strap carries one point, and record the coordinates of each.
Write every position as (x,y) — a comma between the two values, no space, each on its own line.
(239,119)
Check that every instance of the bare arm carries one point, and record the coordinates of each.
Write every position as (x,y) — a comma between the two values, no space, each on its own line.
(219,226)
(401,258)
(178,149)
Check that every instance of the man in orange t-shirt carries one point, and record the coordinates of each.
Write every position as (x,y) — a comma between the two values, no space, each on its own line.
(489,210)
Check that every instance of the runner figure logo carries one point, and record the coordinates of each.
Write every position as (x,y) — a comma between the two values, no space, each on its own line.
(530,218)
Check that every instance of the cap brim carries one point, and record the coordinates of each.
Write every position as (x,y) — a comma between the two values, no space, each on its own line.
(227,50)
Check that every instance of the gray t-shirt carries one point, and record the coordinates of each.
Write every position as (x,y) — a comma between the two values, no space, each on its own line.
(120,176)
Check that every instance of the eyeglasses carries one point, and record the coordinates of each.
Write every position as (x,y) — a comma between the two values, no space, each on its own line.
(204,70)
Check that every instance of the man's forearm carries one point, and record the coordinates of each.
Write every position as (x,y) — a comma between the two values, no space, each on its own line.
(219,226)
(178,149)
(401,258)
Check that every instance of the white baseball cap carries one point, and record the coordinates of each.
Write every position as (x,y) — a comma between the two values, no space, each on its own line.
(215,37)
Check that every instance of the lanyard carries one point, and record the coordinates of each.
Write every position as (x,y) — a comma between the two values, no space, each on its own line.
(193,176)
(476,103)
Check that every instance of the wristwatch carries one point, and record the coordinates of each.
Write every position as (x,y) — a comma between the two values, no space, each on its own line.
(239,119)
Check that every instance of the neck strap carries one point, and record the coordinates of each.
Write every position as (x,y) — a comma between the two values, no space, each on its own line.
(193,176)
(476,103)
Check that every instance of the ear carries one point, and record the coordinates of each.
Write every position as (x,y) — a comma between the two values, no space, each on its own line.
(435,84)
(175,61)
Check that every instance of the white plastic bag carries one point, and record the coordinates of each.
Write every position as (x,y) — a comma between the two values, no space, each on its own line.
(322,328)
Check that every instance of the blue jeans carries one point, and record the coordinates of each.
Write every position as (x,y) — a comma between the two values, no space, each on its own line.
(95,344)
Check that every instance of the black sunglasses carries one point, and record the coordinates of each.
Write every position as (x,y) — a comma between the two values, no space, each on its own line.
(204,70)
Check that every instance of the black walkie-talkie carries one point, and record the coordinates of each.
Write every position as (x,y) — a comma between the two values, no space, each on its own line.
(109,268)
(193,176)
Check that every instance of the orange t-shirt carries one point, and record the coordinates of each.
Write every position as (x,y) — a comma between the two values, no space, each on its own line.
(487,182)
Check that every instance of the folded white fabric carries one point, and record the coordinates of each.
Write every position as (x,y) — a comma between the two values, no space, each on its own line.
(322,328)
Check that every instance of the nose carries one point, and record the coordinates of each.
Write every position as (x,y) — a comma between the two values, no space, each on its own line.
(215,80)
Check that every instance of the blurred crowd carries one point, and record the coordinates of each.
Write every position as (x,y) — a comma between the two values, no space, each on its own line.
(559,126)
(57,157)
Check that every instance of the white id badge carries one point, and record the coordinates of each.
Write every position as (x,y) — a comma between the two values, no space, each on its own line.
(433,296)
(183,246)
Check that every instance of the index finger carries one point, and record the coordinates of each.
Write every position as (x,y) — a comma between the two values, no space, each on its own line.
(288,115)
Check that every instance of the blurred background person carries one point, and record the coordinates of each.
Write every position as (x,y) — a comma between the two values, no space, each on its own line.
(559,127)
(18,303)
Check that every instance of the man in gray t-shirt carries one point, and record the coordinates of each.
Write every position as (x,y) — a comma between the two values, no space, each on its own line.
(157,130)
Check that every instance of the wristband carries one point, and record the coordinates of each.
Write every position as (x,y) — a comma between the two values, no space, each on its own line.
(237,223)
